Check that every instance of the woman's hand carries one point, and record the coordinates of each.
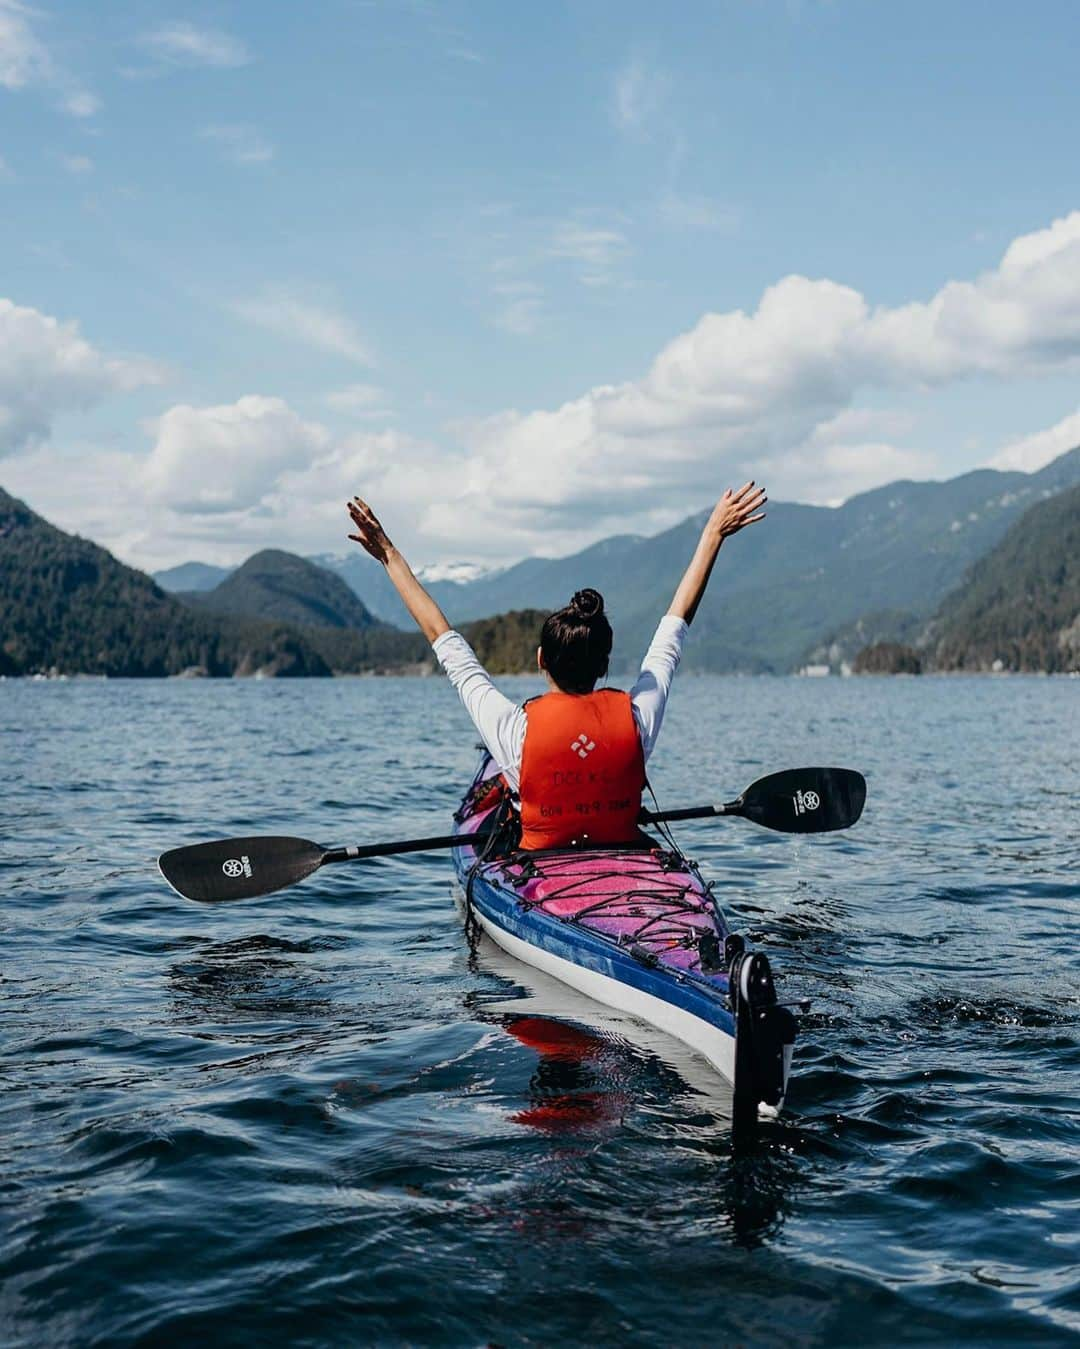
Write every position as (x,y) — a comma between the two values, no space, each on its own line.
(370,535)
(736,510)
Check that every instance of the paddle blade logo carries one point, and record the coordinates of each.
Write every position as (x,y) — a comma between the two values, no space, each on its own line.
(583,746)
(805,801)
(236,867)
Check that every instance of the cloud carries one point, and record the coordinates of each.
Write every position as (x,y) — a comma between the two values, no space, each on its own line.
(637,95)
(240,143)
(25,62)
(1037,450)
(290,316)
(47,368)
(597,250)
(794,392)
(520,307)
(540,261)
(81,104)
(231,479)
(183,44)
(210,460)
(752,391)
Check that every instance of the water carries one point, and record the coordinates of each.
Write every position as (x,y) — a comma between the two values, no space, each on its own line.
(303,1119)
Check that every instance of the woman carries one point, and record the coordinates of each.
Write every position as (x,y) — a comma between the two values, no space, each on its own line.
(576,755)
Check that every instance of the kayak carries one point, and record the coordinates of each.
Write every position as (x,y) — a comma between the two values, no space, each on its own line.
(635,928)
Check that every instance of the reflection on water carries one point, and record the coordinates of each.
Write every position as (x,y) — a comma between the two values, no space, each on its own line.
(565,1092)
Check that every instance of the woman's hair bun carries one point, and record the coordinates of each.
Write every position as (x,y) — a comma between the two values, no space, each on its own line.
(588,603)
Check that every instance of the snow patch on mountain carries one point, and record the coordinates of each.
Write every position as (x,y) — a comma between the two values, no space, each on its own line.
(460,572)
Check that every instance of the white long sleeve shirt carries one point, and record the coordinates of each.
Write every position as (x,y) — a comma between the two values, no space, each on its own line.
(501,723)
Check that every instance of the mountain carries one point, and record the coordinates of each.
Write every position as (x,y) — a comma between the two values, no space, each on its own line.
(542,583)
(506,644)
(1019,607)
(281,587)
(191,576)
(803,586)
(70,606)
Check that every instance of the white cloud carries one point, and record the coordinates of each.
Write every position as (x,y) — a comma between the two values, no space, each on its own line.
(588,249)
(48,368)
(520,307)
(24,59)
(598,250)
(1029,453)
(183,44)
(637,95)
(789,392)
(210,460)
(747,392)
(239,142)
(81,104)
(298,319)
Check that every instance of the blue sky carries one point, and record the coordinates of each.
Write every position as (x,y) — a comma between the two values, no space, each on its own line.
(523,275)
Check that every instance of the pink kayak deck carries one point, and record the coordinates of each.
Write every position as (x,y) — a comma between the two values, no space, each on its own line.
(645,898)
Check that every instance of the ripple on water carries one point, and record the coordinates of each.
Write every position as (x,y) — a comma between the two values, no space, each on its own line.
(317,1119)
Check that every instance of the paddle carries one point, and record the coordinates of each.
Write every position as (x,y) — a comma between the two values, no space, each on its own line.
(797,801)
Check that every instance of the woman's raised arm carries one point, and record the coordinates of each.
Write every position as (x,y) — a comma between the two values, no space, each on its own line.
(733,512)
(371,536)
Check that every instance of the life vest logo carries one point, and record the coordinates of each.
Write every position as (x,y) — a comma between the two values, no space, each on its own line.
(583,746)
(236,867)
(805,801)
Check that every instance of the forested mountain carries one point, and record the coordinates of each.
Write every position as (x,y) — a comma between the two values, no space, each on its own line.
(1019,607)
(811,582)
(67,605)
(282,587)
(506,644)
(809,579)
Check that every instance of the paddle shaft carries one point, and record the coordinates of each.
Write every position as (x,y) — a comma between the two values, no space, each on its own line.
(690,813)
(471,840)
(406,845)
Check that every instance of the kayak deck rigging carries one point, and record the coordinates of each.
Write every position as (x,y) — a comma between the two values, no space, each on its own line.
(652,902)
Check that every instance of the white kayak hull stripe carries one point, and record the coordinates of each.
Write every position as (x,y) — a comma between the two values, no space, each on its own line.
(715,1044)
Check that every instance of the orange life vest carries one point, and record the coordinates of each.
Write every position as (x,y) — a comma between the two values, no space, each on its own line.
(582,770)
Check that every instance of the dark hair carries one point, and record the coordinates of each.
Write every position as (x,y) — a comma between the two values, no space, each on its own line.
(575,643)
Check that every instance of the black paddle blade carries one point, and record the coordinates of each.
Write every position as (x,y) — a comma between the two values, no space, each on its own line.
(239,868)
(804,800)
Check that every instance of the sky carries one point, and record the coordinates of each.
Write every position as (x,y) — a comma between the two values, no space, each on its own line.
(524,276)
